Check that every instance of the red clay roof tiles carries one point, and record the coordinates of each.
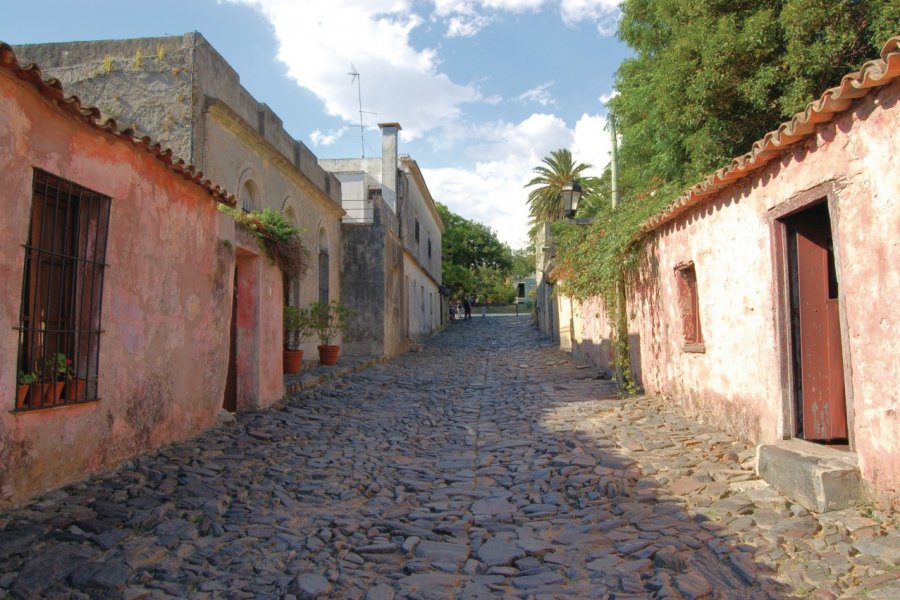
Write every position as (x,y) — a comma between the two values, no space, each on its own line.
(872,75)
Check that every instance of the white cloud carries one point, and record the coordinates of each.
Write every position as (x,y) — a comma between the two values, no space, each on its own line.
(539,95)
(605,98)
(467,17)
(494,192)
(319,39)
(466,26)
(319,138)
(604,13)
(592,143)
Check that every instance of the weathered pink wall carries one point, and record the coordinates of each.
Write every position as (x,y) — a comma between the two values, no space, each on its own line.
(736,383)
(260,380)
(166,301)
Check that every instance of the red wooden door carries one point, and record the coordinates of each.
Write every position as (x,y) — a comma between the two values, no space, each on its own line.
(821,366)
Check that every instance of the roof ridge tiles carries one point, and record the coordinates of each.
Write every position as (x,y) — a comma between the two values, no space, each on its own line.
(833,101)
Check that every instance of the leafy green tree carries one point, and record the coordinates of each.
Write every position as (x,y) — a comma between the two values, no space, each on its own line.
(710,77)
(471,244)
(545,203)
(522,263)
(475,262)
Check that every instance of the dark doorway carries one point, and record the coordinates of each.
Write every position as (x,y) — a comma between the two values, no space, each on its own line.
(819,402)
(230,401)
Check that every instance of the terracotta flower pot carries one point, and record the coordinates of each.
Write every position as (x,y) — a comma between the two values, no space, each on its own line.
(53,392)
(293,361)
(75,389)
(21,394)
(328,355)
(45,393)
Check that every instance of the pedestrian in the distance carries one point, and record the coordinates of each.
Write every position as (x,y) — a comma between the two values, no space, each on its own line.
(484,310)
(467,307)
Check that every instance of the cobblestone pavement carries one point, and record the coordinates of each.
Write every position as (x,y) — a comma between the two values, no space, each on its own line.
(488,465)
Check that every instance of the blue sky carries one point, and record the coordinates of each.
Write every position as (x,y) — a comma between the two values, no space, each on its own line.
(482,88)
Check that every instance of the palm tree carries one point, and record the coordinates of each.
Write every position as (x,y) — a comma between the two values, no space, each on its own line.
(545,202)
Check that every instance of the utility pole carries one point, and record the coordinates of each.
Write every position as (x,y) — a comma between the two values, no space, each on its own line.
(614,159)
(622,354)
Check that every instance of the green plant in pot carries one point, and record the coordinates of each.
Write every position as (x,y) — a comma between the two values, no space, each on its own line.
(25,381)
(328,321)
(297,328)
(53,379)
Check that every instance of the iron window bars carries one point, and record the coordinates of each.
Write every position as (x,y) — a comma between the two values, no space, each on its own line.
(62,285)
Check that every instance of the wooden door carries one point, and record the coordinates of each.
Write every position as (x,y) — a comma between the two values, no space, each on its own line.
(820,393)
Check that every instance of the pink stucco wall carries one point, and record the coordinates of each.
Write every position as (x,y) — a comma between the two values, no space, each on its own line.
(737,383)
(166,301)
(260,379)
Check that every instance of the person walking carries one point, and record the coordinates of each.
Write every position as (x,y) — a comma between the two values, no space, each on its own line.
(467,307)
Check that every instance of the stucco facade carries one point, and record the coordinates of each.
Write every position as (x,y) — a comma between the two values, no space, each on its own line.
(391,273)
(742,372)
(182,92)
(164,329)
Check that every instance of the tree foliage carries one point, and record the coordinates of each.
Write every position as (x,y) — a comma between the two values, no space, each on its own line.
(708,78)
(545,203)
(475,262)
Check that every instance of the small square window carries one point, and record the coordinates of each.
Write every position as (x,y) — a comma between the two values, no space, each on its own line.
(689,308)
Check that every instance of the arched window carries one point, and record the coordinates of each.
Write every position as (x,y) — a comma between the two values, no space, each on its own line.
(291,285)
(249,196)
(323,267)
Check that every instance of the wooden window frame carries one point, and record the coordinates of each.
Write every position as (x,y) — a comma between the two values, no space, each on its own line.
(689,307)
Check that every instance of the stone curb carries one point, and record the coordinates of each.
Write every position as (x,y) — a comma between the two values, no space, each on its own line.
(310,378)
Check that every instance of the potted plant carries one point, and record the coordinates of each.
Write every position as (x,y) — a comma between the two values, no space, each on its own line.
(25,382)
(75,386)
(53,376)
(328,320)
(296,329)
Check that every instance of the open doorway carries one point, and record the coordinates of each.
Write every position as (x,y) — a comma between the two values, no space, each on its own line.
(229,403)
(819,404)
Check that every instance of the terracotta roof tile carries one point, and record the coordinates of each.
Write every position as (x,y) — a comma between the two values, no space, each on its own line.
(52,90)
(872,75)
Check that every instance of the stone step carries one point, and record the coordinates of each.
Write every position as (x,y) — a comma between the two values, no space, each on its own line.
(818,478)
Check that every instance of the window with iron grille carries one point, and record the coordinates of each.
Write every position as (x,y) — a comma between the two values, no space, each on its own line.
(62,288)
(417,231)
(689,307)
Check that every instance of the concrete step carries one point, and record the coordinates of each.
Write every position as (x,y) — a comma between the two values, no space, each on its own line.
(818,478)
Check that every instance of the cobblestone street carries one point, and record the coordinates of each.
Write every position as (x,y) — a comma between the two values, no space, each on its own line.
(487,465)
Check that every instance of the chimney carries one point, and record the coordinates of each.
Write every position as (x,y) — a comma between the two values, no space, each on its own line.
(389,163)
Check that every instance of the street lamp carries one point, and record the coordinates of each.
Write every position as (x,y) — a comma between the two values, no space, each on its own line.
(571,194)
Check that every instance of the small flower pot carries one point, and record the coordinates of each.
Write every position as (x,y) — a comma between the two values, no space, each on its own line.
(328,355)
(53,392)
(21,395)
(75,389)
(293,361)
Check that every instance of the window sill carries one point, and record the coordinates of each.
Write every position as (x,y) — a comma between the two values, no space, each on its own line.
(695,348)
(44,409)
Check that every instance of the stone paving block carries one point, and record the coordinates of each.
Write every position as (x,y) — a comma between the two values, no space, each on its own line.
(509,475)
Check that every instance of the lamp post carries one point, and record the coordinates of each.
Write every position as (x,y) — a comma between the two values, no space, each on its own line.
(571,195)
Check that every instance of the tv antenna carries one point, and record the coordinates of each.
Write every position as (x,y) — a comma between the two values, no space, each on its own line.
(354,73)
